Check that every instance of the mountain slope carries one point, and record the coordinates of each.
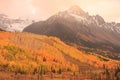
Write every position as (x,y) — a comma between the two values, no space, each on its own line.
(27,53)
(1,30)
(74,26)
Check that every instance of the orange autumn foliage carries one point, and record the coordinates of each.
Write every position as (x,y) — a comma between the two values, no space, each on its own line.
(27,53)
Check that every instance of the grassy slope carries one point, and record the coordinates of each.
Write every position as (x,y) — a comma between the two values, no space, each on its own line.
(29,53)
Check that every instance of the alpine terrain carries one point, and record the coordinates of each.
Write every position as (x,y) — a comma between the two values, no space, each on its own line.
(76,27)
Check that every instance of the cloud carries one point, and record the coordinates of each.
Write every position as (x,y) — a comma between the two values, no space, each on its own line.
(16,8)
(109,9)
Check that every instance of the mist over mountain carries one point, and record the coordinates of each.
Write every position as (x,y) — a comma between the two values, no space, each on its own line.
(75,26)
(13,25)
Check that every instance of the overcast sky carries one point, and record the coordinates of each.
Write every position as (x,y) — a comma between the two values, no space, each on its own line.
(42,9)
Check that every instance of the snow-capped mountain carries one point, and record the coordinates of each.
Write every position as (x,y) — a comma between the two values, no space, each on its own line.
(83,17)
(13,25)
(76,26)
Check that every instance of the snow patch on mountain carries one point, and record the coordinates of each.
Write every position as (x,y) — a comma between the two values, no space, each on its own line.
(97,21)
(79,18)
(13,25)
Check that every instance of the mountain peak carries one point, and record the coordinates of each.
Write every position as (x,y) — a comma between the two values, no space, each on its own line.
(99,19)
(75,8)
(77,11)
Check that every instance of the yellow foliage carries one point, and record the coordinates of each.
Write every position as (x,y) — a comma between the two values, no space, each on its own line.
(29,53)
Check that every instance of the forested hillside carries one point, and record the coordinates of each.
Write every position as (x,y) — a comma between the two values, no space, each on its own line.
(26,53)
